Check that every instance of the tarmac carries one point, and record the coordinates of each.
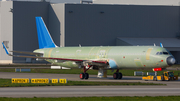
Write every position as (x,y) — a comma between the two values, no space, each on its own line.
(172,88)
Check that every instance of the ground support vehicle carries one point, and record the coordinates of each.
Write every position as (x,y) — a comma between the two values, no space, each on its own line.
(166,76)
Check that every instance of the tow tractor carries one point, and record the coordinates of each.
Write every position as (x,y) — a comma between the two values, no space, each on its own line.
(165,76)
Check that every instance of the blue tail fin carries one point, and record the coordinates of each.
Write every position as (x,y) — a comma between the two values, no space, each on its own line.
(44,38)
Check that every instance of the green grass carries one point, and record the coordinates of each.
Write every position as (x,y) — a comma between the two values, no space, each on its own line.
(7,70)
(25,65)
(125,72)
(146,98)
(7,83)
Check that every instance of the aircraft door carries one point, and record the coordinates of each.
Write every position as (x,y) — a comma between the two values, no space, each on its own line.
(148,53)
(148,58)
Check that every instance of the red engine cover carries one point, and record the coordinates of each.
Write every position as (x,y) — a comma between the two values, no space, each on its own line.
(157,69)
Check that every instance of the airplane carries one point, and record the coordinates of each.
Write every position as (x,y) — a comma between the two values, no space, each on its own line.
(97,58)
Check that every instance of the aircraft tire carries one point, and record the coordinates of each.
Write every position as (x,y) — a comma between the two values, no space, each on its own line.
(115,75)
(86,75)
(120,75)
(81,76)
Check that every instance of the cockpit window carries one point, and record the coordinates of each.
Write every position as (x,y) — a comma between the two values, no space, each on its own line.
(162,53)
(165,53)
(169,52)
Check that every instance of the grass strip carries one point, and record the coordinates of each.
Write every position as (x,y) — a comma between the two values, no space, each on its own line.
(7,83)
(125,72)
(119,98)
(25,65)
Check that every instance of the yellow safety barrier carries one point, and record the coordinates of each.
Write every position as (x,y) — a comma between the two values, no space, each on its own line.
(39,80)
(20,80)
(159,78)
(62,80)
(148,78)
(54,80)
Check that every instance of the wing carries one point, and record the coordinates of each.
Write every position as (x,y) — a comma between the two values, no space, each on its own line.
(78,61)
(29,53)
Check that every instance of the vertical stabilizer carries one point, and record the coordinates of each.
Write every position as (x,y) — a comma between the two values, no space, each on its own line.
(44,37)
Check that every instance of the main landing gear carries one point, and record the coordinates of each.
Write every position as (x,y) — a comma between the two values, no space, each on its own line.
(117,75)
(84,75)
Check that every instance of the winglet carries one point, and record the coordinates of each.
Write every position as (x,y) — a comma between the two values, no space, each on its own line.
(7,52)
(161,44)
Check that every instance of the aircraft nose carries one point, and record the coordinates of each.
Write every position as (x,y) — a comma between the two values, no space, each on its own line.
(171,60)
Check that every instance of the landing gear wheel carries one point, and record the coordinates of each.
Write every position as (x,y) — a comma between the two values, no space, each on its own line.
(115,75)
(81,76)
(86,75)
(120,75)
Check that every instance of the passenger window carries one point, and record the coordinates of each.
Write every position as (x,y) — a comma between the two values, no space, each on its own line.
(160,53)
(157,53)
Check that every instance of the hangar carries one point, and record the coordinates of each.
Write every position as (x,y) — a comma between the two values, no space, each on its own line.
(92,24)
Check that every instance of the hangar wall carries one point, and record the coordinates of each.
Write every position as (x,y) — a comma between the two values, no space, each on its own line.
(24,25)
(94,25)
(139,2)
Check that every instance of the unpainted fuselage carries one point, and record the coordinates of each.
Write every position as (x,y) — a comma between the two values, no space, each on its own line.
(118,56)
